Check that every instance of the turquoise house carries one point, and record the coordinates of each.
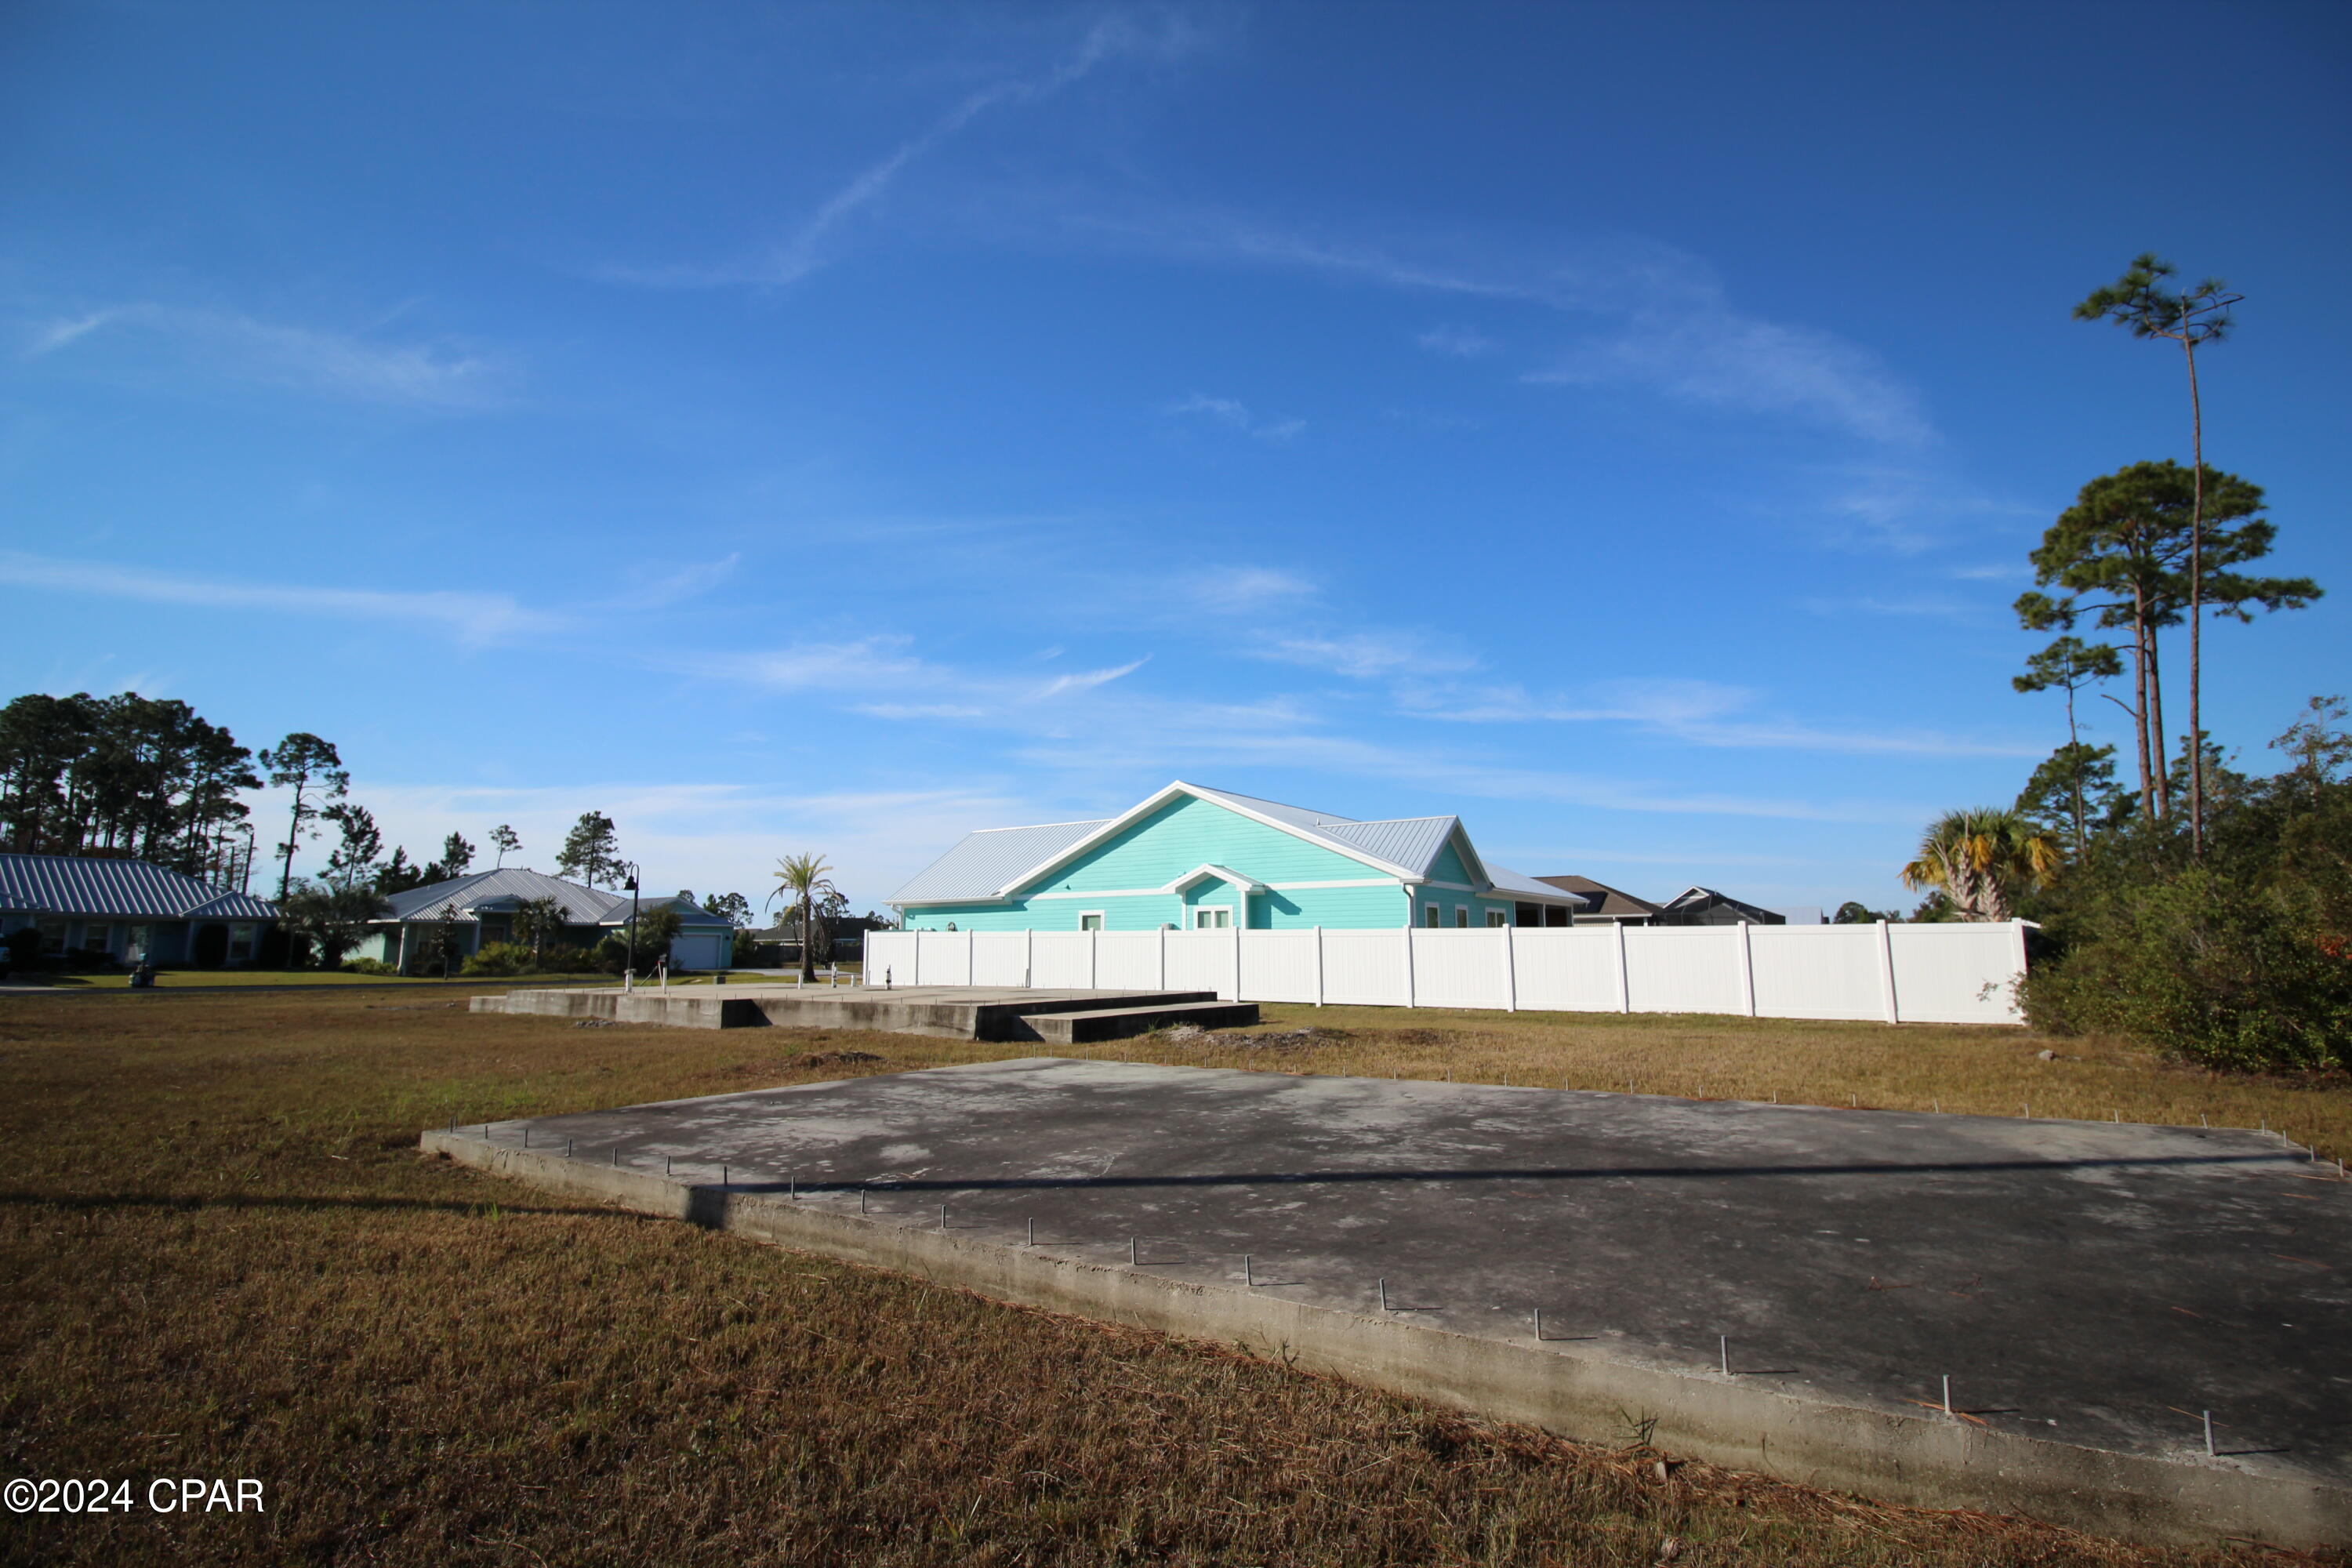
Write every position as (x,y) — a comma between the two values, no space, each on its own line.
(1196,859)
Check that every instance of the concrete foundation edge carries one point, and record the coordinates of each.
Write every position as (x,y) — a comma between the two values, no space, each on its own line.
(1927,1461)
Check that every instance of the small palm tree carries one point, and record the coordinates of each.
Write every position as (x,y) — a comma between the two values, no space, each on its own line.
(1981,859)
(801,879)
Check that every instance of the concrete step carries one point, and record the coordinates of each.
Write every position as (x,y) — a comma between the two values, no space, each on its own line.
(1120,1023)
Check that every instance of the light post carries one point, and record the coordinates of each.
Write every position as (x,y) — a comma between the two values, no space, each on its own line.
(629,975)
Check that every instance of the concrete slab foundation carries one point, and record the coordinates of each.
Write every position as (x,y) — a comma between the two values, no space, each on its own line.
(955,1012)
(1779,1289)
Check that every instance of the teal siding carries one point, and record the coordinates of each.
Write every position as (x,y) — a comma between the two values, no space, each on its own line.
(1185,834)
(1190,832)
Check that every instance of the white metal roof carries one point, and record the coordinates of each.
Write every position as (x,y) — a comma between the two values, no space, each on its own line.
(1412,842)
(76,885)
(981,865)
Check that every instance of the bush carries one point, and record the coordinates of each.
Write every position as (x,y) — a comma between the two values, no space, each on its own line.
(2242,961)
(499,958)
(368,967)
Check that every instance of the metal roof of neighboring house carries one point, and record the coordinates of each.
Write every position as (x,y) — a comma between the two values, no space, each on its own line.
(1609,901)
(78,885)
(983,862)
(499,890)
(1695,897)
(1506,881)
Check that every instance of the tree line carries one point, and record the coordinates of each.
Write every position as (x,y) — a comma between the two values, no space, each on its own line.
(2184,902)
(125,776)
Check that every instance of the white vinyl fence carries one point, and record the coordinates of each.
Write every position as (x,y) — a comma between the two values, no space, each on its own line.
(1898,973)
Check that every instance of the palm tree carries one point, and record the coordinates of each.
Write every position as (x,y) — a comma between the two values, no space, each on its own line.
(1981,859)
(801,879)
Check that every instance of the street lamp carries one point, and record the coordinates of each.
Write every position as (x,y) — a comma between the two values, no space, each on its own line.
(629,975)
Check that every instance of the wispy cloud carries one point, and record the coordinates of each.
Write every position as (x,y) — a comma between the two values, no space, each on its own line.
(816,240)
(474,617)
(443,376)
(1908,509)
(1366,654)
(688,582)
(1662,318)
(1236,416)
(1239,589)
(1700,713)
(1873,604)
(1461,343)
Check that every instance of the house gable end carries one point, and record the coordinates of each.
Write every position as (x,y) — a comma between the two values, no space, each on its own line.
(1180,833)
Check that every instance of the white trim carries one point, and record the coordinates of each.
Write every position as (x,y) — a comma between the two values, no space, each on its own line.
(1095,893)
(1200,910)
(1210,869)
(1120,824)
(1351,882)
(1452,887)
(1101,918)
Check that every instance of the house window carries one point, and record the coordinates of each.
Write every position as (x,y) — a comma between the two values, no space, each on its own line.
(1497,918)
(97,938)
(53,936)
(240,943)
(1462,915)
(1091,921)
(1431,916)
(1216,917)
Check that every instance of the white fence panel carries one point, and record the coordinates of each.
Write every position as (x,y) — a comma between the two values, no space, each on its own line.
(1201,961)
(1958,974)
(1818,972)
(999,957)
(1940,974)
(1061,959)
(890,952)
(1460,968)
(1365,968)
(1127,960)
(1566,969)
(943,958)
(1278,965)
(1683,969)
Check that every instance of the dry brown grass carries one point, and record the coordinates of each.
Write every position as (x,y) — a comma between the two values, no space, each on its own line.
(224,1257)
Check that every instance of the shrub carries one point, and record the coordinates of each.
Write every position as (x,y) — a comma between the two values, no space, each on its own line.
(368,967)
(499,958)
(2243,959)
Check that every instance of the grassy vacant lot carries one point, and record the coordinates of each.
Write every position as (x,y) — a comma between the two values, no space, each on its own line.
(224,1257)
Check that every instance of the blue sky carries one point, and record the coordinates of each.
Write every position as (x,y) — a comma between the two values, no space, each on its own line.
(838,428)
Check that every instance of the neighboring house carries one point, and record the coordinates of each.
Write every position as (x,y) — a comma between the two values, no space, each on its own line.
(1610,905)
(481,906)
(1195,859)
(129,911)
(1705,907)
